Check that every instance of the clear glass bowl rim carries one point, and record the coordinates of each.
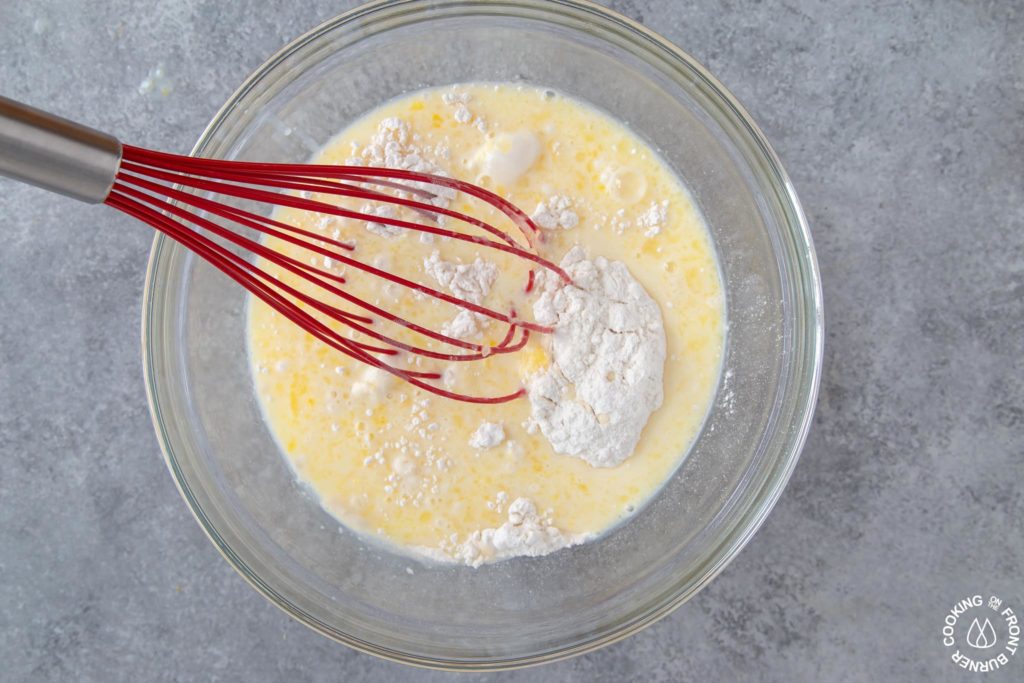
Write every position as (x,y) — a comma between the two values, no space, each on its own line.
(802,271)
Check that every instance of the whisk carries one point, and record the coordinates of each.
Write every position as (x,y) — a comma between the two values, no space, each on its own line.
(83,163)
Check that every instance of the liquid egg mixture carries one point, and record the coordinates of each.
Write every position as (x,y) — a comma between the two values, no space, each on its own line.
(614,394)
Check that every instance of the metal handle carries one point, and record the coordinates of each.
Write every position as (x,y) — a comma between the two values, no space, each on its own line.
(56,154)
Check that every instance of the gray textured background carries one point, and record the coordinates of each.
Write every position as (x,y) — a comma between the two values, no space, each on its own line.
(903,128)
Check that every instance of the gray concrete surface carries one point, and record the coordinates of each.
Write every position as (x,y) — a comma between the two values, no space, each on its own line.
(902,125)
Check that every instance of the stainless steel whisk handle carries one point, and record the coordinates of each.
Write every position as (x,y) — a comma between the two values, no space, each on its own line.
(56,154)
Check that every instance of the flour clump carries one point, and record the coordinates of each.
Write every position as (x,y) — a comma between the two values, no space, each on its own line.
(653,218)
(394,145)
(468,281)
(487,435)
(526,533)
(556,213)
(465,325)
(608,361)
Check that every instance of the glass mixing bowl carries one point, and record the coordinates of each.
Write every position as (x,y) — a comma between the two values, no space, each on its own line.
(521,611)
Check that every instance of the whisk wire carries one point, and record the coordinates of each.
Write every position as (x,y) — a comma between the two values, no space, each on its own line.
(140,191)
(236,267)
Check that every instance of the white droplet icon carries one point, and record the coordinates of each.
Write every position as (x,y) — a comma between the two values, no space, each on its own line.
(981,636)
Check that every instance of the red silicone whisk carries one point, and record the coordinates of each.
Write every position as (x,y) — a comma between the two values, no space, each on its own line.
(185,198)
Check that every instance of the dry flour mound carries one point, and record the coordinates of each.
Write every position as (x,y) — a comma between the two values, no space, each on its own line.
(608,361)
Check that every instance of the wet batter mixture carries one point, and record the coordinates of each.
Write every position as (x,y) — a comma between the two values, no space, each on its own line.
(473,483)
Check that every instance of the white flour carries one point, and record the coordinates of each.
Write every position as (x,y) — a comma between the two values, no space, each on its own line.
(556,213)
(460,101)
(653,218)
(393,146)
(469,281)
(465,325)
(525,533)
(608,351)
(373,384)
(487,435)
(384,211)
